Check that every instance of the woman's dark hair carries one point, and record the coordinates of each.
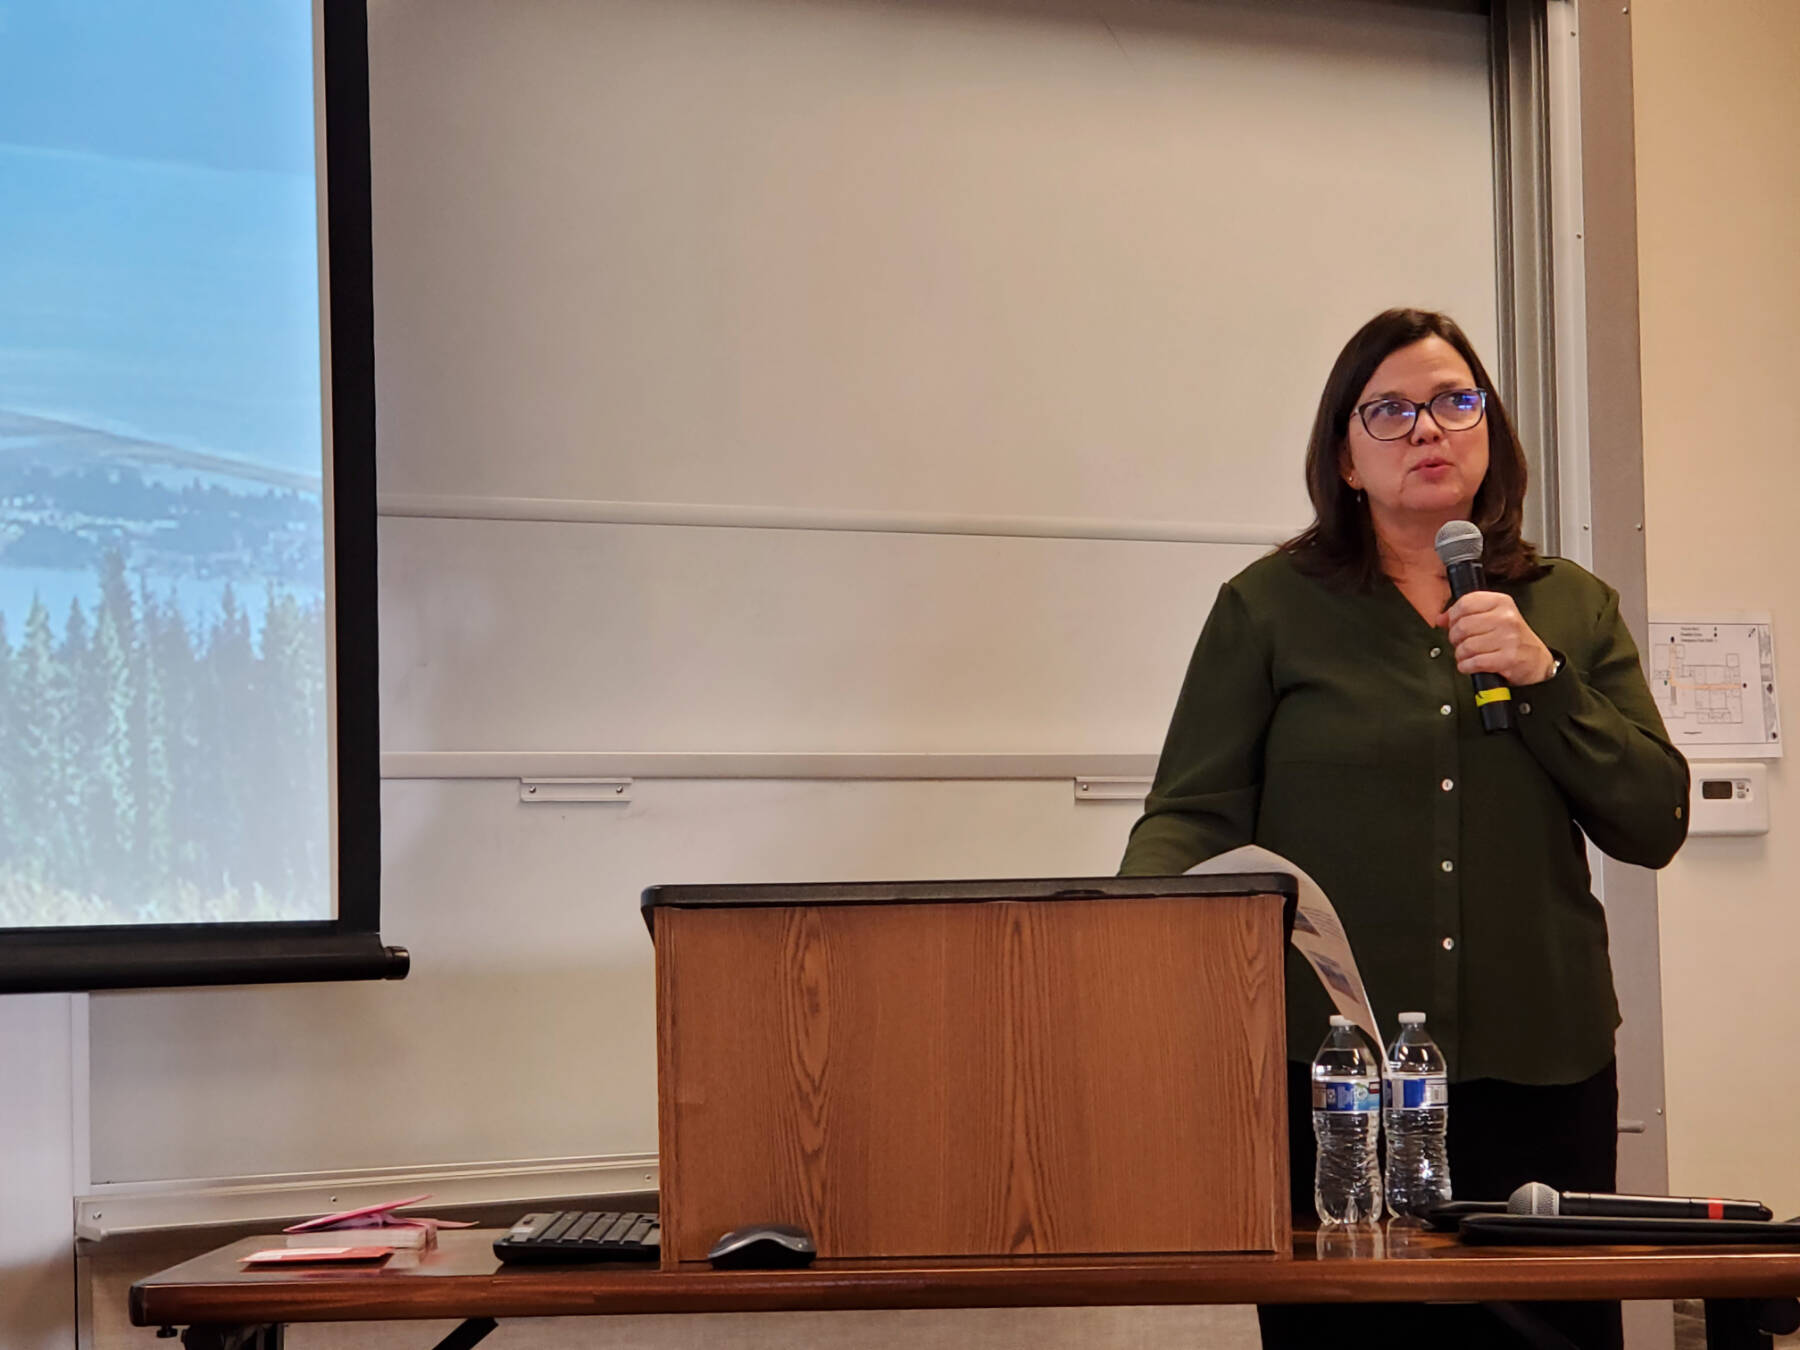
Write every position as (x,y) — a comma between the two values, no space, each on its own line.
(1339,546)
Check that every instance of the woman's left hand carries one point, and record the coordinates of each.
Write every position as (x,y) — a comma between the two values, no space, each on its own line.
(1490,634)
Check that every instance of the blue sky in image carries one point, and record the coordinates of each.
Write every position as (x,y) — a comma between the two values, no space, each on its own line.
(158,227)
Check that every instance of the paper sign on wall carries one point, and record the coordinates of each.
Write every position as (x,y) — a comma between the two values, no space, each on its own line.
(1714,683)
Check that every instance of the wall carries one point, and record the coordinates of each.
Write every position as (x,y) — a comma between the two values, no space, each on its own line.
(1718,171)
(960,258)
(37,1294)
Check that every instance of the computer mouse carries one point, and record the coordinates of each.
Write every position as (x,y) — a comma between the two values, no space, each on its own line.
(763,1246)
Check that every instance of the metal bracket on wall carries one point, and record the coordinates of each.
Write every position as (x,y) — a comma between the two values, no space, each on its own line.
(1111,789)
(537,790)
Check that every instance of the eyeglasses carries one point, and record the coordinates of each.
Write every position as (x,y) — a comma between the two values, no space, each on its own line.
(1390,419)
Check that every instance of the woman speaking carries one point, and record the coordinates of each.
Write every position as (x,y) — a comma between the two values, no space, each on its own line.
(1328,714)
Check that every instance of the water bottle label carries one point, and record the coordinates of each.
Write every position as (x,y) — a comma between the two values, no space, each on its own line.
(1409,1092)
(1346,1094)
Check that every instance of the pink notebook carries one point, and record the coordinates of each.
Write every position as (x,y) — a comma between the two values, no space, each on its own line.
(296,1256)
(375,1216)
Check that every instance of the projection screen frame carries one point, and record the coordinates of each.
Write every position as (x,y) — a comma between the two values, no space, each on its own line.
(349,946)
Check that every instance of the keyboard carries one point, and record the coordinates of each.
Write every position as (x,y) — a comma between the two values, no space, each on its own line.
(582,1235)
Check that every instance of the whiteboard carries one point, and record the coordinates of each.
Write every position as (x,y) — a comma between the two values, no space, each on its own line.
(994,257)
(521,635)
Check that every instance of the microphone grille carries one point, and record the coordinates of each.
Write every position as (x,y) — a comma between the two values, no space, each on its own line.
(1459,541)
(1534,1197)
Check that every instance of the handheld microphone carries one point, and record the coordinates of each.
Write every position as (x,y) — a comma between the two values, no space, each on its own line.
(1458,547)
(1534,1197)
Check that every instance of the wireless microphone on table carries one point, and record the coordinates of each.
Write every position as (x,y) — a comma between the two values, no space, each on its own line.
(1534,1197)
(1459,547)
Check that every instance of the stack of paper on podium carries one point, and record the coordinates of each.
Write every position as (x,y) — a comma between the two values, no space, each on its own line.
(1318,933)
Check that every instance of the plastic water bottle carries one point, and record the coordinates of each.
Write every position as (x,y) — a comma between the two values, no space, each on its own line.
(1416,1104)
(1346,1106)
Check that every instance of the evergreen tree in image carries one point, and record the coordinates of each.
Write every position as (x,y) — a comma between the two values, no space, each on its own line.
(172,653)
(228,751)
(74,650)
(126,692)
(86,704)
(315,824)
(289,835)
(155,846)
(38,771)
(114,778)
(9,722)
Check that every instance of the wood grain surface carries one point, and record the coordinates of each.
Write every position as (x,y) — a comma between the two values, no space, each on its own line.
(1000,1078)
(461,1278)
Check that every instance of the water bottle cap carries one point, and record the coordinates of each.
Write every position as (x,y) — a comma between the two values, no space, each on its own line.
(1413,1019)
(1338,1020)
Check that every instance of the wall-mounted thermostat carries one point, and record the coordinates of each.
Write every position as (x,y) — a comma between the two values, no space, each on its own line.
(1729,799)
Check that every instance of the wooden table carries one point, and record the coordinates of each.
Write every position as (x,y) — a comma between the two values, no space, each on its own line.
(225,1306)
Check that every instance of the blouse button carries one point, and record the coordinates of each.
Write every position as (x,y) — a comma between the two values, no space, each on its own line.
(1525,708)
(1435,651)
(1447,784)
(1445,710)
(1449,944)
(1447,865)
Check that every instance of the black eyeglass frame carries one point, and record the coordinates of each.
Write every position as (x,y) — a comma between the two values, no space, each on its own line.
(1362,412)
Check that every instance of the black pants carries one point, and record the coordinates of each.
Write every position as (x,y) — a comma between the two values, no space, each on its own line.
(1501,1136)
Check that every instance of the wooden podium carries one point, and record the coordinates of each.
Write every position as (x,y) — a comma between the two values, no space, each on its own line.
(941,1069)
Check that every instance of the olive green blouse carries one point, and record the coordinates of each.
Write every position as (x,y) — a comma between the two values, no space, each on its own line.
(1334,728)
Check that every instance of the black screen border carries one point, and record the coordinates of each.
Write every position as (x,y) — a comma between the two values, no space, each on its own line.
(349,947)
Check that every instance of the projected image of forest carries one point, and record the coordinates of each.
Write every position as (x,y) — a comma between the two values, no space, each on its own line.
(158,770)
(162,685)
(164,752)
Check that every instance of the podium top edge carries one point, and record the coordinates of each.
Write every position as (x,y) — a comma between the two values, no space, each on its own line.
(969,892)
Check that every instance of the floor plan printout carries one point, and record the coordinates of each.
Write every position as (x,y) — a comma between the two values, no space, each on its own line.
(1714,683)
